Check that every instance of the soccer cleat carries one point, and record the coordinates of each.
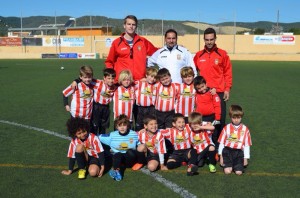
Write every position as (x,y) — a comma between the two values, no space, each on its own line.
(81,174)
(118,176)
(137,166)
(212,168)
(112,173)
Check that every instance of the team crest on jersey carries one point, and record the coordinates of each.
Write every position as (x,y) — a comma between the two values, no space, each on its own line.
(123,146)
(165,95)
(87,94)
(139,48)
(216,61)
(131,140)
(147,91)
(187,92)
(198,140)
(126,96)
(178,56)
(149,145)
(179,139)
(233,138)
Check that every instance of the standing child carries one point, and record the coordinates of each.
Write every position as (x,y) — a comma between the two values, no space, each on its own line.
(166,94)
(201,140)
(82,95)
(124,95)
(145,97)
(179,136)
(235,142)
(186,98)
(103,94)
(85,148)
(153,144)
(208,106)
(123,143)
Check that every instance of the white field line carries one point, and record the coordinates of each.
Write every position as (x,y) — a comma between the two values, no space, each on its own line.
(174,187)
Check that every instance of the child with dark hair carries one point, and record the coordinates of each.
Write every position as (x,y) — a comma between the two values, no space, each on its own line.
(123,143)
(85,148)
(235,142)
(153,144)
(179,136)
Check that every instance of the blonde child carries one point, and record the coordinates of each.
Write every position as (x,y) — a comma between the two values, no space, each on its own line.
(124,95)
(235,142)
(152,143)
(82,96)
(185,103)
(145,97)
(85,148)
(202,142)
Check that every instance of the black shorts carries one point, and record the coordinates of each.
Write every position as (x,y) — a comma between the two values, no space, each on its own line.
(180,155)
(164,119)
(233,158)
(93,160)
(141,113)
(152,156)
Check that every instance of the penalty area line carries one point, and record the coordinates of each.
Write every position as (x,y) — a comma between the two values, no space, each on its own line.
(174,187)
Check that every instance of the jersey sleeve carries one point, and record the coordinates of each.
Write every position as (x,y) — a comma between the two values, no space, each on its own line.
(68,91)
(227,73)
(152,60)
(105,139)
(112,55)
(217,106)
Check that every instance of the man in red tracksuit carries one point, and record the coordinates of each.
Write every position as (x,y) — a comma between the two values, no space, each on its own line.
(130,51)
(214,65)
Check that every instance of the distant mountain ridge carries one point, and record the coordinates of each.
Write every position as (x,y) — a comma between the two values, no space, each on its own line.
(146,26)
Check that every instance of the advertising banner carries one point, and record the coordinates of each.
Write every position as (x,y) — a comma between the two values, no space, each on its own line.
(88,55)
(32,41)
(63,42)
(10,41)
(274,40)
(68,55)
(49,55)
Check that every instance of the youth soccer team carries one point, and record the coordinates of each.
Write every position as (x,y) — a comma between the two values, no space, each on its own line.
(158,124)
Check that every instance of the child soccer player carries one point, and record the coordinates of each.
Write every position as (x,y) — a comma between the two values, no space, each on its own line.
(235,142)
(85,148)
(166,94)
(124,95)
(82,95)
(186,98)
(145,97)
(201,140)
(208,105)
(123,143)
(103,94)
(179,136)
(152,143)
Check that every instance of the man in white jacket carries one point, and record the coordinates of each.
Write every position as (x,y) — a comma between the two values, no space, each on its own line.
(172,57)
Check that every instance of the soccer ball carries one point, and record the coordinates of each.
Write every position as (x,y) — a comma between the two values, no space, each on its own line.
(62,68)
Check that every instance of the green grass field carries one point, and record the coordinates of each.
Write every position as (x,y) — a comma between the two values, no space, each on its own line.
(31,161)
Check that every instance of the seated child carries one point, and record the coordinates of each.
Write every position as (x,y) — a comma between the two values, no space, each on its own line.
(145,97)
(179,136)
(235,142)
(201,140)
(123,143)
(153,144)
(85,148)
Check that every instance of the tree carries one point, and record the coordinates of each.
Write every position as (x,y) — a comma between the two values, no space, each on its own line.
(116,31)
(259,31)
(296,31)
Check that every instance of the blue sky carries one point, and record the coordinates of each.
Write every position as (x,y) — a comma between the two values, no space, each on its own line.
(215,11)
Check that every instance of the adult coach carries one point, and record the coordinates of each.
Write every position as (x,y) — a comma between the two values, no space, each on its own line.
(172,57)
(130,51)
(214,65)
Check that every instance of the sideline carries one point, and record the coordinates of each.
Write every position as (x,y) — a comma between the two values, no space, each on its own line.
(174,187)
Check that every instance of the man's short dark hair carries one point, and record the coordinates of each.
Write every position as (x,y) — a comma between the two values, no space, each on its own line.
(171,31)
(109,72)
(210,31)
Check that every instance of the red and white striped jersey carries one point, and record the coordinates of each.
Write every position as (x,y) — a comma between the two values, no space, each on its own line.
(82,100)
(166,97)
(201,140)
(179,139)
(235,137)
(92,146)
(123,101)
(185,103)
(155,143)
(102,93)
(144,93)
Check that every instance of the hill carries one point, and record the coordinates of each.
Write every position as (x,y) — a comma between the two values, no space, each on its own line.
(146,26)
